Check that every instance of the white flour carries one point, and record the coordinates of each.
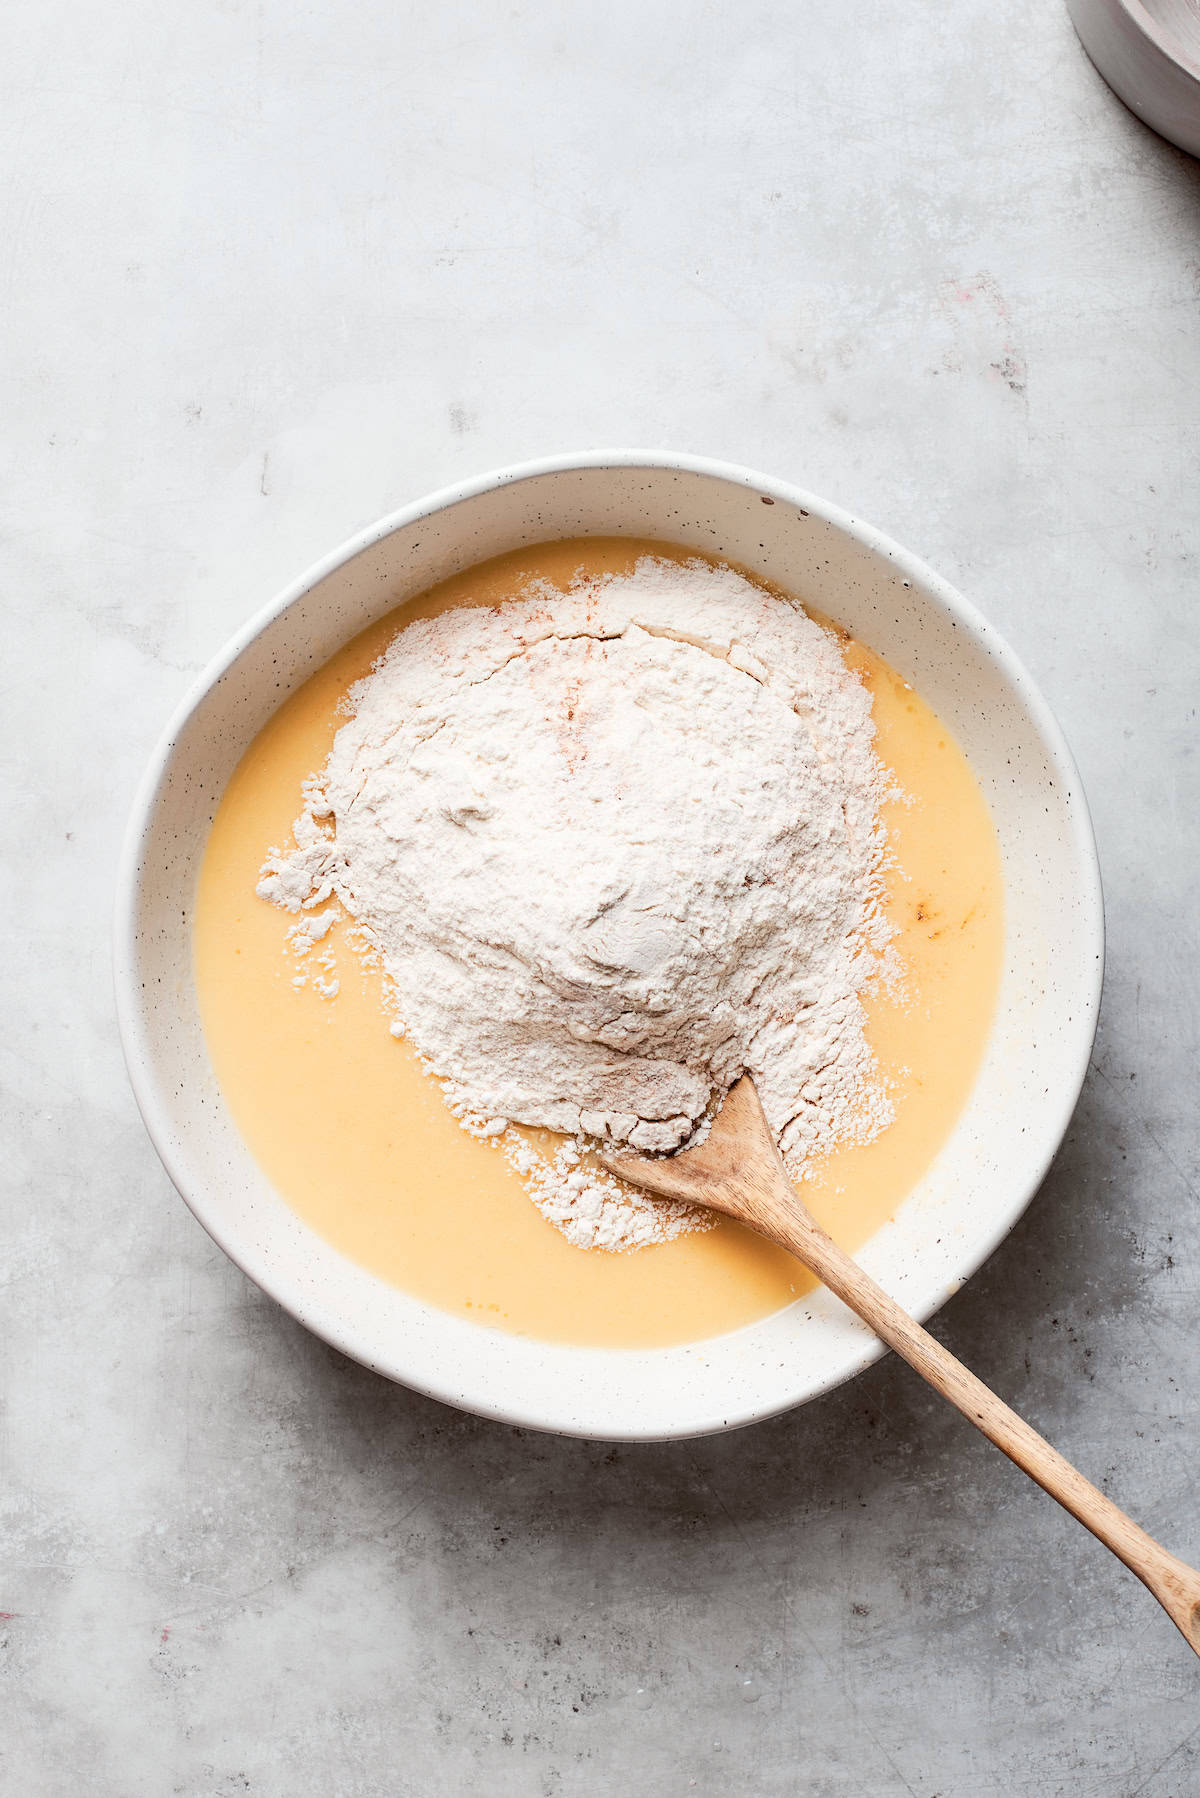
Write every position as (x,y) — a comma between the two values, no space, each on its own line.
(613,849)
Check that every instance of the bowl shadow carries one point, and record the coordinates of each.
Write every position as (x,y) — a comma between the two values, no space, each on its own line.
(1024,1324)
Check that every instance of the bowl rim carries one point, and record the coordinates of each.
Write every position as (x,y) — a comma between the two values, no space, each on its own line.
(140,1060)
(1153,30)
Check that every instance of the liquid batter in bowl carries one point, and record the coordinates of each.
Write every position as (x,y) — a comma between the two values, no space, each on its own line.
(357,1139)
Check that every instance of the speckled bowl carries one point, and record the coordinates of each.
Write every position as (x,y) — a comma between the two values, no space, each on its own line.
(1021,1102)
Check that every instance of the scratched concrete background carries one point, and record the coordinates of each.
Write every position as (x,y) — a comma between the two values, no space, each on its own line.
(270,270)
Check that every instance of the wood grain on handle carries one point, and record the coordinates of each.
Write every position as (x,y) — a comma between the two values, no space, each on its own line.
(1173,1582)
(738,1170)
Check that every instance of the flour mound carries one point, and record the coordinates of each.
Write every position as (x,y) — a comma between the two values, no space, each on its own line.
(614,848)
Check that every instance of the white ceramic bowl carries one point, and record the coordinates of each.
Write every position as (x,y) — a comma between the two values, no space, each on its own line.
(1021,1102)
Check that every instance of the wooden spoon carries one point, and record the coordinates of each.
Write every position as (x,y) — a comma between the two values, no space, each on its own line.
(739,1170)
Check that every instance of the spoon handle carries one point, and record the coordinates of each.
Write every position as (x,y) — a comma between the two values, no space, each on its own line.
(1175,1585)
(738,1170)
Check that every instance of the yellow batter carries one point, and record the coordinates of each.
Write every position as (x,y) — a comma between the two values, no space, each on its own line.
(357,1140)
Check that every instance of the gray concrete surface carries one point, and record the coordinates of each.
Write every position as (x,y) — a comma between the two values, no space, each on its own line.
(269,270)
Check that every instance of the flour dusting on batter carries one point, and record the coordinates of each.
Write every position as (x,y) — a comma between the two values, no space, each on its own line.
(613,848)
